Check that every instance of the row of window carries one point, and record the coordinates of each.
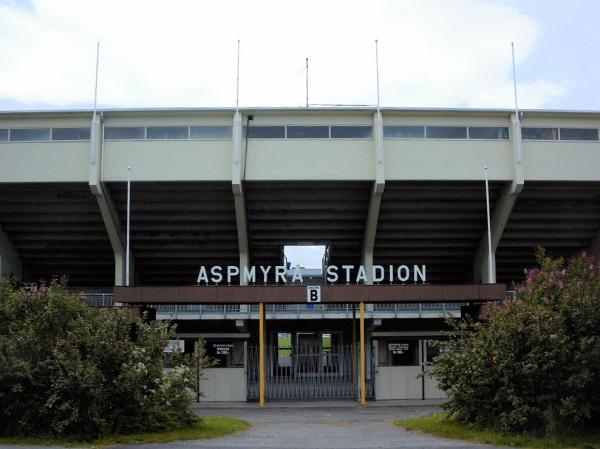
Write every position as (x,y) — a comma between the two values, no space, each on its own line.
(295,132)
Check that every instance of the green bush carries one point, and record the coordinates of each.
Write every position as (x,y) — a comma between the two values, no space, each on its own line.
(70,370)
(533,364)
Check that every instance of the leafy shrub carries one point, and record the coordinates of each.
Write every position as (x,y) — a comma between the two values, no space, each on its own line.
(70,370)
(533,364)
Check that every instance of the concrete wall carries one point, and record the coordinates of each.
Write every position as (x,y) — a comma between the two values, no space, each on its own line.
(223,384)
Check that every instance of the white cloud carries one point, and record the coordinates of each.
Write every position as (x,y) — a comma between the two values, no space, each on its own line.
(182,53)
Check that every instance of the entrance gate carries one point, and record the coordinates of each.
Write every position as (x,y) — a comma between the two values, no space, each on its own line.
(305,372)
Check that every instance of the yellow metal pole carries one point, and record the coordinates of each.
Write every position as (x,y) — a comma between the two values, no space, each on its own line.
(363,359)
(261,354)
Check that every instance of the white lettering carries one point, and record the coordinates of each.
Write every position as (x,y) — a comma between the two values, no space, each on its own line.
(403,273)
(332,275)
(297,276)
(420,272)
(265,273)
(378,273)
(280,274)
(361,275)
(347,268)
(250,274)
(232,270)
(215,272)
(202,276)
(391,274)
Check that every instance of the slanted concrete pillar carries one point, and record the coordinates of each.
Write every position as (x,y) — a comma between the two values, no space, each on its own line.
(10,262)
(375,199)
(502,210)
(237,178)
(106,205)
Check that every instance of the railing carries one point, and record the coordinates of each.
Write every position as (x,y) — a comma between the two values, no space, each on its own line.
(100,300)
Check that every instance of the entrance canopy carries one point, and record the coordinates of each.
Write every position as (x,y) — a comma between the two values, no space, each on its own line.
(252,294)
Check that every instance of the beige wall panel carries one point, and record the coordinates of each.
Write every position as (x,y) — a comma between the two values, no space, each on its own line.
(561,161)
(44,161)
(223,384)
(447,159)
(168,160)
(310,159)
(398,382)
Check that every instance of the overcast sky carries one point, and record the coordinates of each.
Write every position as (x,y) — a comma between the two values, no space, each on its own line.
(177,53)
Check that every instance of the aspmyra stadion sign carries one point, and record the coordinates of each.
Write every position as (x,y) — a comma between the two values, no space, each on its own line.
(350,274)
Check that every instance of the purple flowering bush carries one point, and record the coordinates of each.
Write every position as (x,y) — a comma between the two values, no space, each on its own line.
(533,363)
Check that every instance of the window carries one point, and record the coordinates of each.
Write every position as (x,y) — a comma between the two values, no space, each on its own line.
(488,132)
(539,133)
(265,132)
(578,134)
(446,132)
(404,132)
(3,135)
(351,132)
(210,132)
(284,349)
(124,133)
(398,352)
(167,132)
(228,353)
(71,133)
(29,134)
(308,132)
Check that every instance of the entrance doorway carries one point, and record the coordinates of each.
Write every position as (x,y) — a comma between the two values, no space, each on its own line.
(306,365)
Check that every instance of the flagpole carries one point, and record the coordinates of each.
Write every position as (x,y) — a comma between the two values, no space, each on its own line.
(128,225)
(491,279)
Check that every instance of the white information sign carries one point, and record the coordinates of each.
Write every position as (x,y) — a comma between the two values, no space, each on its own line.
(313,293)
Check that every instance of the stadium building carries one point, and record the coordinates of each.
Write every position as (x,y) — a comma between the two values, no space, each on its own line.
(397,198)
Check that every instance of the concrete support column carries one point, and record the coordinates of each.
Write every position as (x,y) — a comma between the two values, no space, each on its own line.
(105,203)
(501,212)
(10,262)
(237,178)
(375,199)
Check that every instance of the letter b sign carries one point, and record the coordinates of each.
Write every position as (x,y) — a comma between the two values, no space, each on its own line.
(313,293)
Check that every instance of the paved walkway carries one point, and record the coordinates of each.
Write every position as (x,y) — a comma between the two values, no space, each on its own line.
(343,426)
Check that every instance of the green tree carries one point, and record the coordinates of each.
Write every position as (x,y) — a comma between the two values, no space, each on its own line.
(70,370)
(533,363)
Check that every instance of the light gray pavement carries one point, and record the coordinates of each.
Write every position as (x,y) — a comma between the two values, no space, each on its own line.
(313,426)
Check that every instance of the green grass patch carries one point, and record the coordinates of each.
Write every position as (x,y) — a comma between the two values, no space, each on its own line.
(439,424)
(209,427)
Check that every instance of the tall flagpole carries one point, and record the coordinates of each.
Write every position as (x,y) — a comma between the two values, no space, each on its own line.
(128,225)
(237,80)
(491,279)
(96,81)
(306,82)
(377,68)
(512,47)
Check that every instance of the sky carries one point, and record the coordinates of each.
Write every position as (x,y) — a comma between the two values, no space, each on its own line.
(432,53)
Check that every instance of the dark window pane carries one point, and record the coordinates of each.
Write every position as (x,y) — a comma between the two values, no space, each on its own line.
(167,132)
(403,132)
(488,132)
(308,132)
(210,132)
(578,134)
(446,132)
(125,132)
(539,133)
(30,134)
(71,133)
(351,132)
(3,135)
(265,132)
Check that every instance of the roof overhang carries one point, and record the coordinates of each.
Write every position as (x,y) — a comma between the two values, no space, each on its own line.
(296,294)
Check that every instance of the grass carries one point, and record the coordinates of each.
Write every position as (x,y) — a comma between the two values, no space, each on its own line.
(439,424)
(209,427)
